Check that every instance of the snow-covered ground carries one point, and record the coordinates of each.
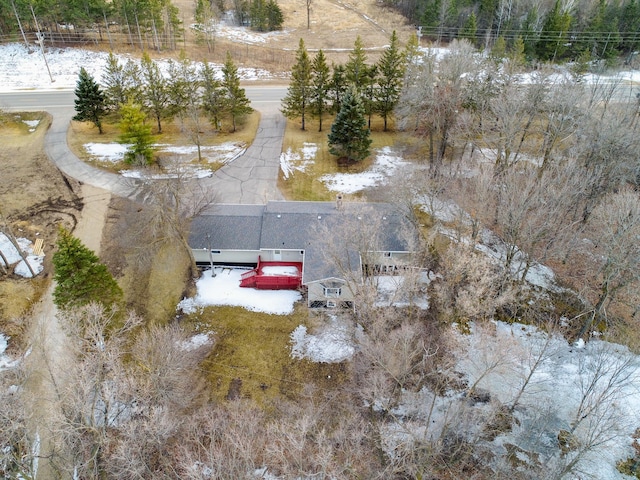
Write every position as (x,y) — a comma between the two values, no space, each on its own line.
(594,384)
(13,257)
(387,162)
(224,289)
(332,342)
(25,69)
(5,360)
(184,156)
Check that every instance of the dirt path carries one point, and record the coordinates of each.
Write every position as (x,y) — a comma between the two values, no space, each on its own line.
(49,344)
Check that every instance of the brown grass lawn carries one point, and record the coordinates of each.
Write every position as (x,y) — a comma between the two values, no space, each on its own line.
(305,185)
(81,133)
(255,348)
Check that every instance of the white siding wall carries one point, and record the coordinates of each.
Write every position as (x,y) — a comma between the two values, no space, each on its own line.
(227,256)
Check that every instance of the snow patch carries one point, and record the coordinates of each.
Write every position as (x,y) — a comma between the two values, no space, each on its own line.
(386,163)
(13,256)
(224,289)
(291,161)
(332,343)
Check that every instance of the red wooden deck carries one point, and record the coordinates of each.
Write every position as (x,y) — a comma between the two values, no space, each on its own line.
(273,276)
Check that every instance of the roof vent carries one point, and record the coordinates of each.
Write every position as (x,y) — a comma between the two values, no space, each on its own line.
(278,216)
(319,217)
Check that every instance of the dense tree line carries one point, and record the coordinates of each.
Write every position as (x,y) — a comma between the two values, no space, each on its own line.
(318,90)
(143,22)
(136,92)
(549,31)
(537,163)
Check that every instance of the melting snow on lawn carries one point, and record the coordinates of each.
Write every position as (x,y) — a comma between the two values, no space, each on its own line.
(387,161)
(224,289)
(13,257)
(32,124)
(223,153)
(291,161)
(333,342)
(196,342)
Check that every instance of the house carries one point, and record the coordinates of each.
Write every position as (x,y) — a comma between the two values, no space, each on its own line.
(332,244)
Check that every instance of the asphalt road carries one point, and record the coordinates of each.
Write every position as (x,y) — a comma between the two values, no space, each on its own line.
(251,178)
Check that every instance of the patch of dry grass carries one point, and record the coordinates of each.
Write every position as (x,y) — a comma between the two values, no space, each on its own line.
(82,133)
(306,185)
(255,348)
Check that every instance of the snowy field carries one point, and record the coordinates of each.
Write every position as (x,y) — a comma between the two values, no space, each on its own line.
(25,69)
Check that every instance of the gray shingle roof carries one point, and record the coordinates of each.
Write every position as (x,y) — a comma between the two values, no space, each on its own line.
(305,226)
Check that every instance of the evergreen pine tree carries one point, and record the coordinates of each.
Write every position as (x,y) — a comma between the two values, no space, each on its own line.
(157,98)
(516,53)
(470,28)
(80,277)
(412,49)
(213,95)
(356,66)
(90,101)
(602,32)
(237,103)
(275,18)
(137,134)
(391,68)
(350,139)
(630,22)
(113,80)
(299,93)
(183,85)
(499,49)
(431,15)
(529,34)
(258,15)
(338,86)
(553,38)
(320,82)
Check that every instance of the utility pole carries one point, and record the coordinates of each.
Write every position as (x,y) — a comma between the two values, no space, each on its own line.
(15,11)
(41,42)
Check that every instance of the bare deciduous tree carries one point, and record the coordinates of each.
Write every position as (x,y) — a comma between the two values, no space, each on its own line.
(615,229)
(471,286)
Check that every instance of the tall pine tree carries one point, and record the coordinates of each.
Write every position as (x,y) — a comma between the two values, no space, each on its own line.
(391,69)
(237,103)
(553,38)
(356,66)
(80,277)
(299,93)
(90,102)
(320,84)
(213,95)
(157,98)
(350,139)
